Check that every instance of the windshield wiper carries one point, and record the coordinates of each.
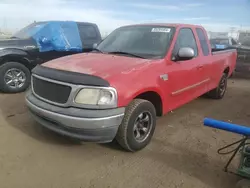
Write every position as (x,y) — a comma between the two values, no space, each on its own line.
(14,37)
(126,53)
(97,50)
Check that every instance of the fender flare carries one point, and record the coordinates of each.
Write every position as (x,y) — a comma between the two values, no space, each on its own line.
(14,53)
(144,90)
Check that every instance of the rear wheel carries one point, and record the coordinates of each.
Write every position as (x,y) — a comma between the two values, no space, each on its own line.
(138,125)
(14,77)
(220,90)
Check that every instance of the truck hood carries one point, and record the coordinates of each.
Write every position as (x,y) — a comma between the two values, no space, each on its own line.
(102,65)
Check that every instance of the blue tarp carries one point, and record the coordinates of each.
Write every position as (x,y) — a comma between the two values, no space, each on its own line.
(220,46)
(57,36)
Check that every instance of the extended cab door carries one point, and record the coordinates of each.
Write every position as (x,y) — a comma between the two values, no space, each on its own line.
(186,82)
(204,60)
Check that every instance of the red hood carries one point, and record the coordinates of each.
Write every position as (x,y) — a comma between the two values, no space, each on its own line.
(102,65)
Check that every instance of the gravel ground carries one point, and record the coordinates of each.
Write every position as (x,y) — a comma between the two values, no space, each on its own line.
(182,152)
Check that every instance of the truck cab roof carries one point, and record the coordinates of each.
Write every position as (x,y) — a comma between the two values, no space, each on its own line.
(169,25)
(43,22)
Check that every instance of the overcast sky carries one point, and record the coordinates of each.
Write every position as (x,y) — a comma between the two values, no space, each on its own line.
(215,15)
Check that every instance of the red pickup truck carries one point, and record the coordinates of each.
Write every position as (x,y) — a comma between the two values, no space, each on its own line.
(137,73)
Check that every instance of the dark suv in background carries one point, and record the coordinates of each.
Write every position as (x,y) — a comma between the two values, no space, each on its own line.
(40,42)
(243,61)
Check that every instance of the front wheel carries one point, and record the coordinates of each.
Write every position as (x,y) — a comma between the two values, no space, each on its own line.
(138,125)
(14,77)
(220,90)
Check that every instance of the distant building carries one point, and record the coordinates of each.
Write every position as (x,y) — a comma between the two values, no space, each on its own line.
(243,36)
(218,34)
(4,35)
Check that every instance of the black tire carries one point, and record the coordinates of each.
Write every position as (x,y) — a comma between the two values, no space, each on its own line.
(244,183)
(220,90)
(126,133)
(25,73)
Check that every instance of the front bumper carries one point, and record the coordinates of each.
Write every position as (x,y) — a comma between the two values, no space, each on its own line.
(83,124)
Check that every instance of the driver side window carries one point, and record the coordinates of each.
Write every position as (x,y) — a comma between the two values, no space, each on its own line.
(185,39)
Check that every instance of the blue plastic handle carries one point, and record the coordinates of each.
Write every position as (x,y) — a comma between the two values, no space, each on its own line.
(234,128)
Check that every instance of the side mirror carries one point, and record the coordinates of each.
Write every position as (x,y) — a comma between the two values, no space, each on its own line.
(185,54)
(95,45)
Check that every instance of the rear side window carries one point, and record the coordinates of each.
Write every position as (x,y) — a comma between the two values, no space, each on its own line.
(185,39)
(88,32)
(203,41)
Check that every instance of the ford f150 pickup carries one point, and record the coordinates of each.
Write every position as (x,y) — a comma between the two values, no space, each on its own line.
(137,73)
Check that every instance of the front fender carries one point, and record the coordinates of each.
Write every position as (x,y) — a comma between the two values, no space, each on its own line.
(126,99)
(17,55)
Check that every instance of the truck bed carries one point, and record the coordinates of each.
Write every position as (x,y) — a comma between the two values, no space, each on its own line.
(220,51)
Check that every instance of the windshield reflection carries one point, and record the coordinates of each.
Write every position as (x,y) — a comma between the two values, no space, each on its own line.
(142,41)
(29,30)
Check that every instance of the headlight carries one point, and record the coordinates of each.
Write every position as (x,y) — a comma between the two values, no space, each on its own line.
(95,96)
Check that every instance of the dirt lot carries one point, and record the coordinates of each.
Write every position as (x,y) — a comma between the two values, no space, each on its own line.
(182,152)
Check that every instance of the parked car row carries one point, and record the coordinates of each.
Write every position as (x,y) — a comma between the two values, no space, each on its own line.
(135,74)
(223,43)
(243,49)
(40,42)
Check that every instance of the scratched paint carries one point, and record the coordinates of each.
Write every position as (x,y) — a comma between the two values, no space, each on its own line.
(103,65)
(105,75)
(142,66)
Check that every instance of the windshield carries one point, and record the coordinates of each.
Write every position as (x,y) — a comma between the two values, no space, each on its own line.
(220,41)
(143,41)
(29,31)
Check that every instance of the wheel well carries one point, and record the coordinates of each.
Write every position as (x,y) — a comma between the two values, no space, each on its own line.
(154,98)
(226,70)
(17,59)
